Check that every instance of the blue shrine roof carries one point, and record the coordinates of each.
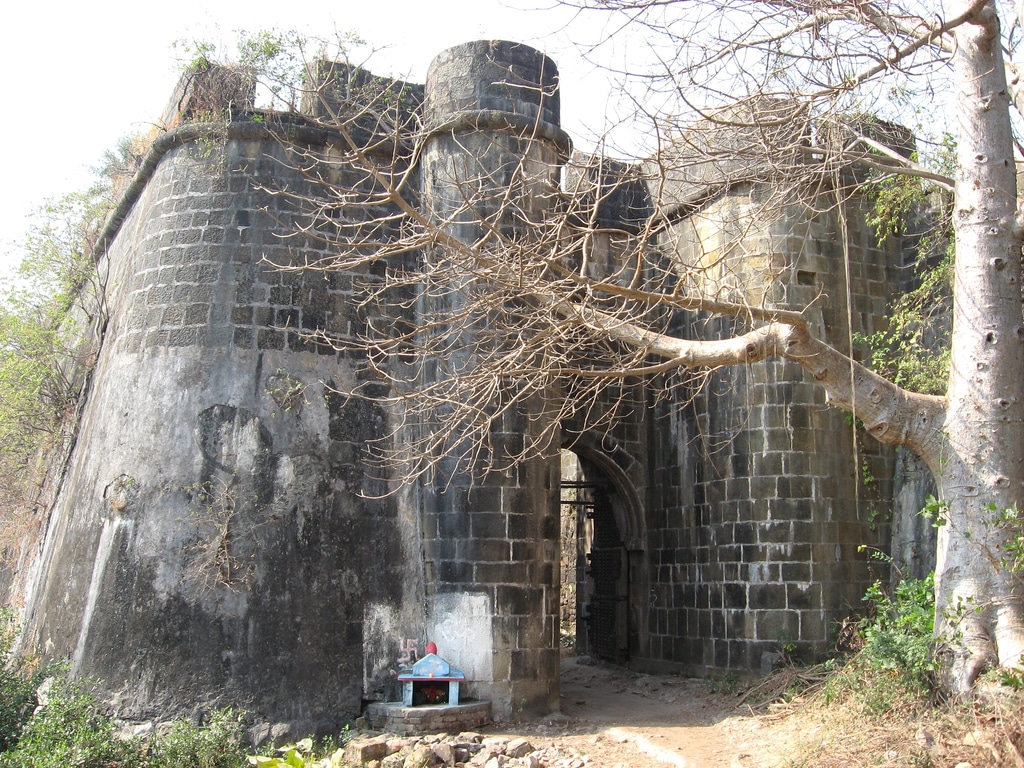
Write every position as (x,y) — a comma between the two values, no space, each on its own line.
(432,666)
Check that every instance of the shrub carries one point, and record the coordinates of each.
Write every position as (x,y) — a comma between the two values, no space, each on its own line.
(64,728)
(18,684)
(215,744)
(67,731)
(895,666)
(300,755)
(898,637)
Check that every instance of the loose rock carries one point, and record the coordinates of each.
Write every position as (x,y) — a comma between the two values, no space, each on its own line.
(360,751)
(518,748)
(421,756)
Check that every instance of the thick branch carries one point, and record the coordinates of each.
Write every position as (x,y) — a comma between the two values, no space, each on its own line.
(931,36)
(891,414)
(896,163)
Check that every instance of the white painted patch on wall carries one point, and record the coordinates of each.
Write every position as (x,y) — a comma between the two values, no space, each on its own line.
(460,624)
(106,544)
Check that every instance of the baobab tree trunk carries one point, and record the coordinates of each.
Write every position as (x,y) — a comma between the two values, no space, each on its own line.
(980,468)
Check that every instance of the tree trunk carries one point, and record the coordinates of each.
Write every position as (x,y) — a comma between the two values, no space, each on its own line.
(980,472)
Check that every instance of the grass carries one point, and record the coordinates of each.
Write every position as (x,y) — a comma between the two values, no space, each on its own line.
(915,731)
(879,705)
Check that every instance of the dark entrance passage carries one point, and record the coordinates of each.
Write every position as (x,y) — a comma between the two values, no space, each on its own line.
(594,563)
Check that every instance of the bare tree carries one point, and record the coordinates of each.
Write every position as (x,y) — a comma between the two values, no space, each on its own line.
(498,290)
(835,59)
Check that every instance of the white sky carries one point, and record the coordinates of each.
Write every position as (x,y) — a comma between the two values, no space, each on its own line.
(81,75)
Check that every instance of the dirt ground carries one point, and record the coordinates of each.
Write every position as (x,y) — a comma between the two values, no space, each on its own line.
(612,717)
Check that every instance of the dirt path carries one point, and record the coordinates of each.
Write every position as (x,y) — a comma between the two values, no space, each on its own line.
(612,717)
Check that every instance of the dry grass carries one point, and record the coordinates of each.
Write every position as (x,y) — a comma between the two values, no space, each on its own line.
(819,719)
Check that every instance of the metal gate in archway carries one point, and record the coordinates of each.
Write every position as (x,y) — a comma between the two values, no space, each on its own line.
(602,574)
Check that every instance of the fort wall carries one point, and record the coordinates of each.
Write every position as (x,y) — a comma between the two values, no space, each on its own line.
(215,531)
(785,490)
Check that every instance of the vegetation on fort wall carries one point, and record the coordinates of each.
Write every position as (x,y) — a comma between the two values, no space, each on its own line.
(913,351)
(46,313)
(67,729)
(49,721)
(277,63)
(38,333)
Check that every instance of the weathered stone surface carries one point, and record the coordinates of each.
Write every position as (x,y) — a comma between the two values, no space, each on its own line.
(445,752)
(257,735)
(421,756)
(280,734)
(397,744)
(495,743)
(518,748)
(359,751)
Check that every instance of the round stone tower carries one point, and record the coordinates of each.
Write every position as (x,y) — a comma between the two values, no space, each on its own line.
(785,489)
(489,172)
(218,538)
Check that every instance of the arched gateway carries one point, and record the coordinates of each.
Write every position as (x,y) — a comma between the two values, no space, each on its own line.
(602,578)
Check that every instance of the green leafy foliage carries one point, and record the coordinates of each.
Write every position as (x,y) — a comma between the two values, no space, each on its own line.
(67,731)
(198,55)
(215,744)
(59,724)
(47,309)
(895,666)
(935,510)
(42,356)
(58,262)
(290,756)
(19,679)
(298,755)
(914,350)
(1009,522)
(277,61)
(898,637)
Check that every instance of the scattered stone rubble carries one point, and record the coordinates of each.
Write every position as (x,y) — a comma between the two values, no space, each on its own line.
(466,750)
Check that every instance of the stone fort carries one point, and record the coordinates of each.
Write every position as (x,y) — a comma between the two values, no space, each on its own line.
(216,537)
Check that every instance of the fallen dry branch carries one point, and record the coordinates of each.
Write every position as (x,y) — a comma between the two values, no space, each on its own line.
(784,686)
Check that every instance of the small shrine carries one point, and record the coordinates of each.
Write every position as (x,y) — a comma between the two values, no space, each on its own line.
(430,681)
(431,700)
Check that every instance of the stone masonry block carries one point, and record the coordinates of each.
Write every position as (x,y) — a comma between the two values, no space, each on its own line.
(767,596)
(488,525)
(777,625)
(484,550)
(361,751)
(197,314)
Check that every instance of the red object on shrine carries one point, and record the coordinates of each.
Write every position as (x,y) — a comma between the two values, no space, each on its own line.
(431,680)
